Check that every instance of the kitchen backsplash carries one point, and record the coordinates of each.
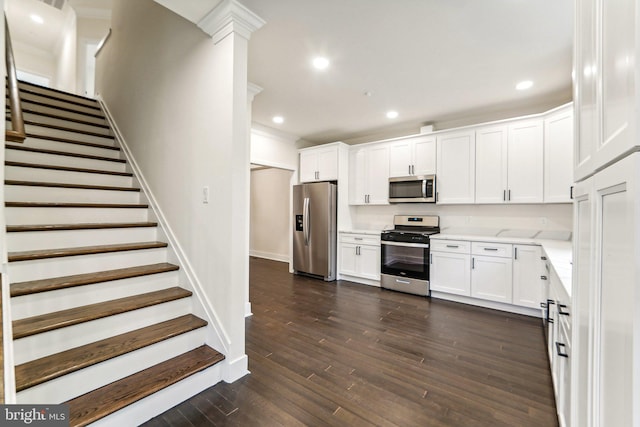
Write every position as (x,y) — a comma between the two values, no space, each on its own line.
(556,217)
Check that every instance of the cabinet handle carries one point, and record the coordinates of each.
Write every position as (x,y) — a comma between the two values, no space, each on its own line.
(490,249)
(431,259)
(560,349)
(357,250)
(473,263)
(413,169)
(515,253)
(561,311)
(509,195)
(544,278)
(358,238)
(550,302)
(504,195)
(437,195)
(544,258)
(409,169)
(571,192)
(543,305)
(453,246)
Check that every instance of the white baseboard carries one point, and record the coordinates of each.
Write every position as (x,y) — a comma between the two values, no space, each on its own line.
(269,255)
(487,304)
(236,369)
(247,309)
(360,280)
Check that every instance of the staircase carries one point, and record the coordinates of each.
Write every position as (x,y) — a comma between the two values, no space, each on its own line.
(99,319)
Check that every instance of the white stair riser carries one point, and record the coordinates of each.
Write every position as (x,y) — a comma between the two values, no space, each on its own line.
(58,160)
(47,343)
(168,397)
(57,94)
(62,299)
(57,103)
(74,136)
(69,114)
(21,271)
(17,216)
(46,144)
(22,193)
(33,240)
(19,173)
(80,382)
(31,117)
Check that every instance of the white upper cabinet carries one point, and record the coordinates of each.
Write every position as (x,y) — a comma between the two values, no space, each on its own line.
(558,156)
(605,86)
(319,164)
(413,156)
(509,163)
(456,165)
(491,164)
(369,175)
(525,162)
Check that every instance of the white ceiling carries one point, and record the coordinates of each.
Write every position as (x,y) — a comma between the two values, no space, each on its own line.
(434,61)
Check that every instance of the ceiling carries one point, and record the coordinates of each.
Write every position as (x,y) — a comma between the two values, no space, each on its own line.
(441,62)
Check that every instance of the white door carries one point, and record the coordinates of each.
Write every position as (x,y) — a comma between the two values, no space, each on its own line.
(378,175)
(558,157)
(400,158)
(308,166)
(348,259)
(491,278)
(358,175)
(491,164)
(456,165)
(527,284)
(525,162)
(328,164)
(450,272)
(369,259)
(424,159)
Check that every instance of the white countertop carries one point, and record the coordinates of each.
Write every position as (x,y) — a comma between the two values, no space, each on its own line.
(558,252)
(367,232)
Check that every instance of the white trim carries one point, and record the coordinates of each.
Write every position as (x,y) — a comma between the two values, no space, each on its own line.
(236,369)
(253,90)
(183,260)
(247,309)
(270,255)
(230,17)
(534,312)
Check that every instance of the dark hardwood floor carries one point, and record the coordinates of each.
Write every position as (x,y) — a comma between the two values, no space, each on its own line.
(345,354)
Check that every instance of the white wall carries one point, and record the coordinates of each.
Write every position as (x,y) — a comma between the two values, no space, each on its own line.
(65,55)
(180,100)
(89,31)
(269,147)
(270,213)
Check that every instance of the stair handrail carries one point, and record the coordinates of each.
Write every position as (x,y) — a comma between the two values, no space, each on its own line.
(17,134)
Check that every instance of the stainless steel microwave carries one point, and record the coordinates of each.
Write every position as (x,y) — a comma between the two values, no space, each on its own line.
(412,189)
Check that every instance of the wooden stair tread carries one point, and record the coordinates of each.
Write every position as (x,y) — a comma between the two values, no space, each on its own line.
(82,250)
(67,129)
(43,285)
(65,185)
(83,226)
(73,316)
(56,98)
(97,114)
(65,168)
(75,205)
(106,400)
(22,83)
(63,153)
(71,141)
(38,371)
(58,117)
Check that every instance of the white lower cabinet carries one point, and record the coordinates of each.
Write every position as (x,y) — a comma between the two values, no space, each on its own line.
(450,267)
(491,271)
(527,275)
(360,256)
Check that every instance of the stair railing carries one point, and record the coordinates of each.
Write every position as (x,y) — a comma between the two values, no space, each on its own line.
(17,133)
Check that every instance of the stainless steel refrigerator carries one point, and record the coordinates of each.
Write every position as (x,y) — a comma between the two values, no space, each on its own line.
(314,233)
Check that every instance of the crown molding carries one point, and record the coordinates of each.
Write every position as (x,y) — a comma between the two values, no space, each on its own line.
(252,90)
(230,17)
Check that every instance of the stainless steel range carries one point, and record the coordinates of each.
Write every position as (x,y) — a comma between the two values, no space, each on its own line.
(405,253)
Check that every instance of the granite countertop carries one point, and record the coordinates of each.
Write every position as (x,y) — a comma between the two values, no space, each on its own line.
(556,245)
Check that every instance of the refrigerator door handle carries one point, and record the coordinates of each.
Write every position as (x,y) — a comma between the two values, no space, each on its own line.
(305,225)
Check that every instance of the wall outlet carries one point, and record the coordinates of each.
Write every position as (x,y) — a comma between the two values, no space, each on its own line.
(205,195)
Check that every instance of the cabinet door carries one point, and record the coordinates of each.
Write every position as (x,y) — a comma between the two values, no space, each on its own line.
(558,157)
(377,175)
(369,260)
(456,167)
(348,259)
(563,375)
(491,164)
(525,162)
(450,273)
(491,278)
(328,164)
(424,159)
(527,284)
(400,158)
(308,166)
(357,177)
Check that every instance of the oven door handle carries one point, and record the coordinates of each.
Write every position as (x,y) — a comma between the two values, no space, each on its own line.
(411,245)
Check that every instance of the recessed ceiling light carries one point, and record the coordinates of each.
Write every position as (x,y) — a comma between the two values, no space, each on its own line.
(278,119)
(320,63)
(392,114)
(524,85)
(37,19)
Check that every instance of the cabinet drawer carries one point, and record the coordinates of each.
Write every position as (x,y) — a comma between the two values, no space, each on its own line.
(503,250)
(360,239)
(451,246)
